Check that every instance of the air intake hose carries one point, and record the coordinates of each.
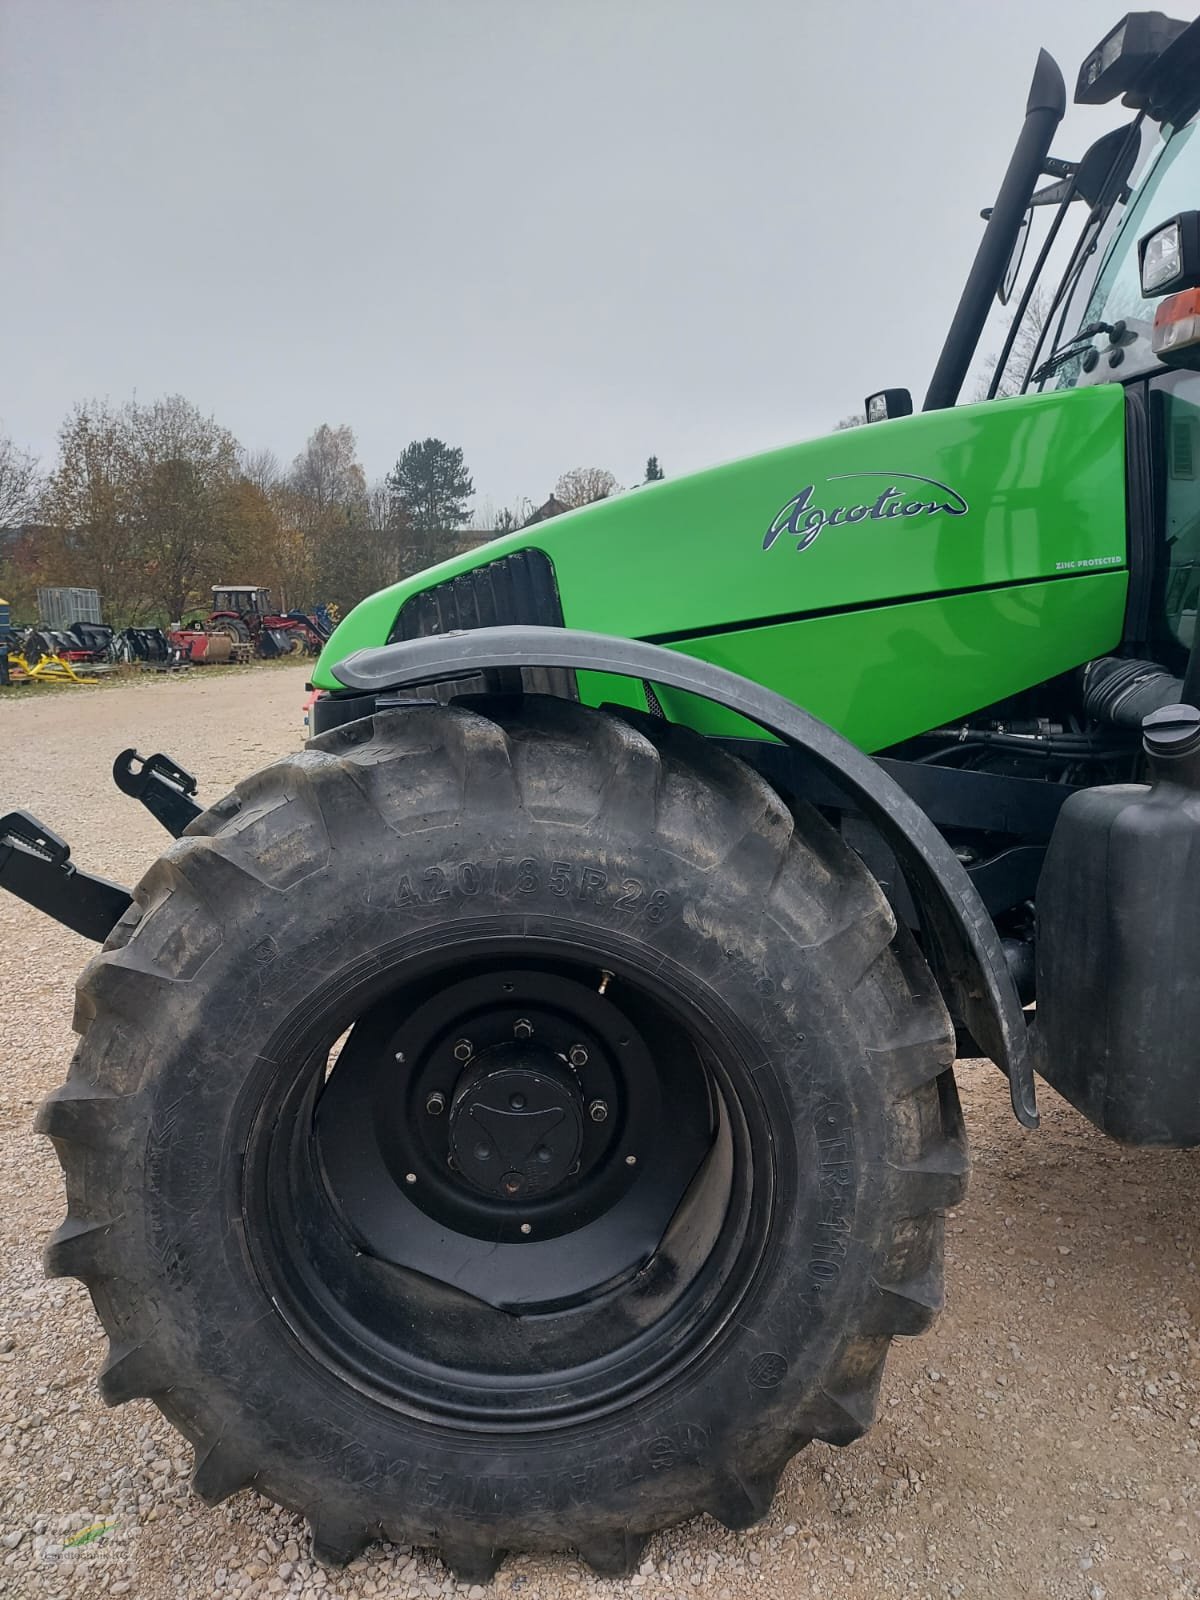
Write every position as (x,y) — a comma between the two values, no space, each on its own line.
(1121,692)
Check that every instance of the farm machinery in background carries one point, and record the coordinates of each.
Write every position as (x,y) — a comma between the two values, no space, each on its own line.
(70,643)
(76,654)
(243,614)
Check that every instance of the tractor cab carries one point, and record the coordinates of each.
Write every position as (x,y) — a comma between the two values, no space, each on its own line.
(1126,310)
(242,599)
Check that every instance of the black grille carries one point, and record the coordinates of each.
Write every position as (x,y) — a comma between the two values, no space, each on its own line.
(520,588)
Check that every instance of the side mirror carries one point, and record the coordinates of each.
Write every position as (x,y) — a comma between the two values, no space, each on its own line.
(1016,256)
(886,404)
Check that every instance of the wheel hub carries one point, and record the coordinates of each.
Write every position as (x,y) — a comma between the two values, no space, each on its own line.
(502,1132)
(516,1122)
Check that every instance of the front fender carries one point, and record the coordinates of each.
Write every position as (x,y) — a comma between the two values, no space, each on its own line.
(960,939)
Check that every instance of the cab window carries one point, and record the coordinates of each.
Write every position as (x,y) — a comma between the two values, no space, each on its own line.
(1176,444)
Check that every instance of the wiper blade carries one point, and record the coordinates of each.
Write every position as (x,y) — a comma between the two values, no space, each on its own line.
(1073,347)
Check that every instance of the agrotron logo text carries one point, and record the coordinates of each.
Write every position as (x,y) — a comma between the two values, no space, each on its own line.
(905,495)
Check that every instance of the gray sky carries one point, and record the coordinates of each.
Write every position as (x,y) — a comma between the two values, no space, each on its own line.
(556,232)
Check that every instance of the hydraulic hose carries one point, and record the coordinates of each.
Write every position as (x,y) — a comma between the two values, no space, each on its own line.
(1122,693)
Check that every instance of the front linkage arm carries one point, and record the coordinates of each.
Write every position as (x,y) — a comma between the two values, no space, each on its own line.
(36,866)
(163,787)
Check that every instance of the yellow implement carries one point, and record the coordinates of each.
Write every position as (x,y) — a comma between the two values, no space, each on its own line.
(47,669)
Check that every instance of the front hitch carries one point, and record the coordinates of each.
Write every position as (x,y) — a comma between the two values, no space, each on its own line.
(162,785)
(36,866)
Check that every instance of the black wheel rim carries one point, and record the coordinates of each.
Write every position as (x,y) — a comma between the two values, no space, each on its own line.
(409,1270)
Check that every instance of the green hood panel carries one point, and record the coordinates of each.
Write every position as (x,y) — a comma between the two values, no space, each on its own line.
(940,504)
(890,672)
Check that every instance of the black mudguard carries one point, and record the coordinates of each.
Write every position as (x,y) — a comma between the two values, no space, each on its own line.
(959,937)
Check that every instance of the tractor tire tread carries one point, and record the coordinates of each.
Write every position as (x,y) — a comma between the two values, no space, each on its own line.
(264,838)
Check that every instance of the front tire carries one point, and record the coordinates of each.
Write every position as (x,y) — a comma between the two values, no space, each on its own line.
(293,1247)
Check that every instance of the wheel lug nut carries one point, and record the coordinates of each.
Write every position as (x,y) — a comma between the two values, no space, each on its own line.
(436,1103)
(522,1028)
(462,1050)
(598,1111)
(577,1056)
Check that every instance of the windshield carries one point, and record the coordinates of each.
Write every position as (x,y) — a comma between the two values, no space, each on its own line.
(1171,162)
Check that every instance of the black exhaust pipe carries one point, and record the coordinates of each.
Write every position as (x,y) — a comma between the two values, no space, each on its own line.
(1044,111)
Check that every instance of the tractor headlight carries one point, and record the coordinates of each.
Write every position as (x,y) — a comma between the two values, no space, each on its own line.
(1161,259)
(1121,59)
(1169,256)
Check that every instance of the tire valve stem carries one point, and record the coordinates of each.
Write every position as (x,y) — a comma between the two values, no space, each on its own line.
(605,979)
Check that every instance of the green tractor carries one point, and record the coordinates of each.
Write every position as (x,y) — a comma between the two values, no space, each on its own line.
(523,1118)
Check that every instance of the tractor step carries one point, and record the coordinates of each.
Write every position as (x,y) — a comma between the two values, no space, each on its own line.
(36,866)
(162,785)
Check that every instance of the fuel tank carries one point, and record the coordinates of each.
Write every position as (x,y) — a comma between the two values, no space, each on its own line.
(1118,946)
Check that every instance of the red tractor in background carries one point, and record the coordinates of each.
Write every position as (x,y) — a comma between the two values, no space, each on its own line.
(245,613)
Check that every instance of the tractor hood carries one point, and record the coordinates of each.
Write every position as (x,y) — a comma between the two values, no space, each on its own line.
(980,496)
(888,578)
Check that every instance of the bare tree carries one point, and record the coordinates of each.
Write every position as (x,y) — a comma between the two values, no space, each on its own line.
(327,504)
(582,485)
(326,473)
(261,468)
(510,518)
(19,484)
(1020,357)
(385,540)
(483,518)
(380,509)
(854,420)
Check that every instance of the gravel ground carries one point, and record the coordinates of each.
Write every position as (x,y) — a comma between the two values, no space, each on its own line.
(1043,1440)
